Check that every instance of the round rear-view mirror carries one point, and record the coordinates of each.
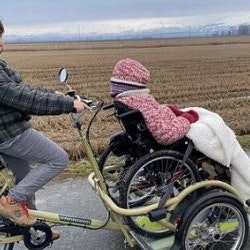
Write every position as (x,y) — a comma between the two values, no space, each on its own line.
(63,75)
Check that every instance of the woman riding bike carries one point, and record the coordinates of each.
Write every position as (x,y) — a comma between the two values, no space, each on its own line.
(22,144)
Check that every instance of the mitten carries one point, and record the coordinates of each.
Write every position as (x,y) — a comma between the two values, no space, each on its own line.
(175,110)
(191,115)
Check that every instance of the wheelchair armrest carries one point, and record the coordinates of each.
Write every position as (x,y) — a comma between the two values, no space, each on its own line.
(108,106)
(132,112)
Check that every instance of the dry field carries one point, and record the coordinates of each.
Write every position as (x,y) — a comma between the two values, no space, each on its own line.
(213,73)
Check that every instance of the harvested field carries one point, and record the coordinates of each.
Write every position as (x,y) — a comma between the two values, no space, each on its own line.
(213,73)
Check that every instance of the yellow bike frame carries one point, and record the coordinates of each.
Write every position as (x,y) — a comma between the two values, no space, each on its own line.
(98,184)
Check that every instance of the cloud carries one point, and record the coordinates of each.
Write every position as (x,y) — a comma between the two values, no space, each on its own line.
(127,25)
(25,12)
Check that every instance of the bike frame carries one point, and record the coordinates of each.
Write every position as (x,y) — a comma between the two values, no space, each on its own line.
(97,182)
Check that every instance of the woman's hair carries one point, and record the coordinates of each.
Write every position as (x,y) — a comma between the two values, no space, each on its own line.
(1,27)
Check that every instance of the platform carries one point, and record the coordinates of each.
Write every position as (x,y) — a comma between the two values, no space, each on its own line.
(147,243)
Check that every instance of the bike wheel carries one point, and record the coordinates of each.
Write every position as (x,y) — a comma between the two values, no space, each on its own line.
(146,182)
(215,221)
(9,246)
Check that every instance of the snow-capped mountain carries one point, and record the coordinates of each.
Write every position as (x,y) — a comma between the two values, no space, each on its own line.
(132,28)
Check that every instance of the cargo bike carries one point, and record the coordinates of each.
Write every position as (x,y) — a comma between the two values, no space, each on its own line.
(159,197)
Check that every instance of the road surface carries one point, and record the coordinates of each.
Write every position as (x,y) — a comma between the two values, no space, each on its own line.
(76,198)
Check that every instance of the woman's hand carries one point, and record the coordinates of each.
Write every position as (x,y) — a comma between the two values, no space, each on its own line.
(79,106)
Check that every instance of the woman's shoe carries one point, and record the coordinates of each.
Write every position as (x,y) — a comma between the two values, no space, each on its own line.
(16,211)
(55,235)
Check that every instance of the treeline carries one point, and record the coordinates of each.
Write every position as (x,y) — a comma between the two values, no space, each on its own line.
(241,30)
(244,29)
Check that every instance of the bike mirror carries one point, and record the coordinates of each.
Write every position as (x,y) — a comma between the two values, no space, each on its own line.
(63,75)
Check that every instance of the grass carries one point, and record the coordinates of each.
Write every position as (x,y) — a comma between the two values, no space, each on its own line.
(244,141)
(75,169)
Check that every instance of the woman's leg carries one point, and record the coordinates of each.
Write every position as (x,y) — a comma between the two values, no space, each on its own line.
(20,169)
(34,147)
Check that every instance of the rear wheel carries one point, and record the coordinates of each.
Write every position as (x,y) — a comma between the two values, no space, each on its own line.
(216,221)
(146,182)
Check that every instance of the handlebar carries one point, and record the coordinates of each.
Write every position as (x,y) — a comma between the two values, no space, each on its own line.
(93,103)
(87,100)
(90,101)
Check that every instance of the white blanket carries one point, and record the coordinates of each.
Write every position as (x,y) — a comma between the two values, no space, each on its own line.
(215,139)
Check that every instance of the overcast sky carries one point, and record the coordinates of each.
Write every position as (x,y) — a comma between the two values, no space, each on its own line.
(16,13)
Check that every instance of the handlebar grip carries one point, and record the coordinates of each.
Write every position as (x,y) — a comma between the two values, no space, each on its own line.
(108,106)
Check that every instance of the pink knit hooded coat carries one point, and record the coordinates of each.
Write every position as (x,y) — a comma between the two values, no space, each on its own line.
(128,86)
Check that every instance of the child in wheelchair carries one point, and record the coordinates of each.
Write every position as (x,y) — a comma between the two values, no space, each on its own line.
(168,125)
(128,86)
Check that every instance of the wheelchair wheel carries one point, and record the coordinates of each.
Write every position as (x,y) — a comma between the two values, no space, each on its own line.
(113,168)
(215,221)
(146,182)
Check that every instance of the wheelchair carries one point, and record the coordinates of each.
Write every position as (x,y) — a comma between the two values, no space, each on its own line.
(138,171)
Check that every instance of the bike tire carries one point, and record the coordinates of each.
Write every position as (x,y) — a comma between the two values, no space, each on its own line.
(193,234)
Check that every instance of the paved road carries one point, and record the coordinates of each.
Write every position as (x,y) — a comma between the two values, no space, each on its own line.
(76,198)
